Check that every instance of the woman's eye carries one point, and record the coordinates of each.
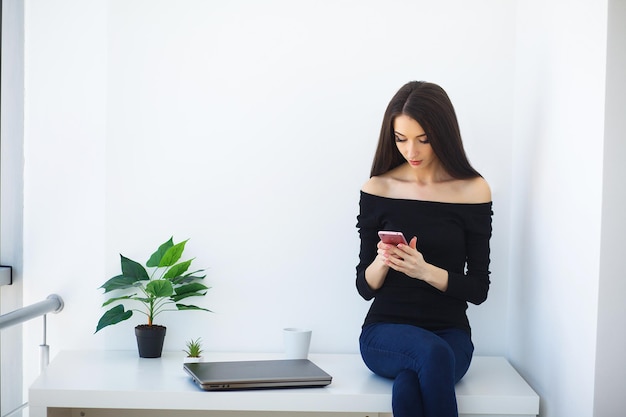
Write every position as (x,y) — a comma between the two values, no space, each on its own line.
(399,139)
(424,141)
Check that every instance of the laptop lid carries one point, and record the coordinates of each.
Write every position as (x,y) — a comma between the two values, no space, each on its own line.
(284,373)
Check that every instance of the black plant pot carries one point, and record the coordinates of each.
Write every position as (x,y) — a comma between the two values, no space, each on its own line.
(150,340)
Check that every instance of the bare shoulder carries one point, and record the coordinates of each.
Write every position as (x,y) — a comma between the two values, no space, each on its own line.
(378,185)
(475,191)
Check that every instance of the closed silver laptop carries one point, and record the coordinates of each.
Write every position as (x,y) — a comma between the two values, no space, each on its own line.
(283,373)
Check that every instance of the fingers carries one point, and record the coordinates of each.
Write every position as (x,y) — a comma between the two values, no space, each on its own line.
(393,255)
(402,258)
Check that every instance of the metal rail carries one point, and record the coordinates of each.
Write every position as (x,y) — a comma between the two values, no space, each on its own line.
(52,304)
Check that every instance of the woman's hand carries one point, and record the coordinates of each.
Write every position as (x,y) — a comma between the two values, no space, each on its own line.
(403,258)
(408,260)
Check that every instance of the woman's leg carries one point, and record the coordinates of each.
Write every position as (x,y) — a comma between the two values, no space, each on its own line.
(423,364)
(462,347)
(406,395)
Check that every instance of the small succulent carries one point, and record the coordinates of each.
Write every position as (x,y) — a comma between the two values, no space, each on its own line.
(194,348)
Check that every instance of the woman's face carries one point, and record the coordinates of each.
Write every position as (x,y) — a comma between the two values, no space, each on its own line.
(412,142)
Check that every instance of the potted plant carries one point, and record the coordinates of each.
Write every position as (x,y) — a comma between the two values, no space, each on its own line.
(193,350)
(157,292)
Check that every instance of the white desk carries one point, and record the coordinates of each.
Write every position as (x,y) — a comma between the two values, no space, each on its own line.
(103,383)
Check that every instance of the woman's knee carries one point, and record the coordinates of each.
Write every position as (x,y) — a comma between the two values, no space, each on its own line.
(438,359)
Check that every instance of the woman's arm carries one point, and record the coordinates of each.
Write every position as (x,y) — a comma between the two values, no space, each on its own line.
(376,272)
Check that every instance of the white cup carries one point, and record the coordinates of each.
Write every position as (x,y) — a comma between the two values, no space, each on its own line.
(297,342)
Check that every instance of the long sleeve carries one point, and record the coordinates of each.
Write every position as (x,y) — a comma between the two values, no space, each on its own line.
(368,226)
(473,285)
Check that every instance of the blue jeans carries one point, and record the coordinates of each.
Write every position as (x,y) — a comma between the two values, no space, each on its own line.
(425,366)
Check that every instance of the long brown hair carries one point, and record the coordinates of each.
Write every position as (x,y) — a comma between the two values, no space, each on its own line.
(429,105)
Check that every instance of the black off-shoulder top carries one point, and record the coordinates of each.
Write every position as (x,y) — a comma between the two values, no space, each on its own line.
(452,236)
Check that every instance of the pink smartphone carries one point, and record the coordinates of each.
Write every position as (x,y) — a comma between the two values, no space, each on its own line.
(392,238)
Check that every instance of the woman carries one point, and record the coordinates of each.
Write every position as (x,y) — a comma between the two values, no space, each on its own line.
(416,330)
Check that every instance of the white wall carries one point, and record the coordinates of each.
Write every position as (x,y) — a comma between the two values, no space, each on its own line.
(557,203)
(248,128)
(64,174)
(11,192)
(610,373)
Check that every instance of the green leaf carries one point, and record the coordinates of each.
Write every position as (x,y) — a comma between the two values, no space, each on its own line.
(173,254)
(193,287)
(132,269)
(177,298)
(155,258)
(191,307)
(191,290)
(177,270)
(119,282)
(160,288)
(187,278)
(113,316)
(194,272)
(112,300)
